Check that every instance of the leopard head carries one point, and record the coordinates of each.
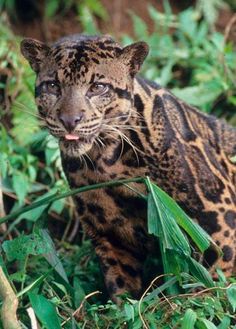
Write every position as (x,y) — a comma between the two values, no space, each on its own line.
(84,87)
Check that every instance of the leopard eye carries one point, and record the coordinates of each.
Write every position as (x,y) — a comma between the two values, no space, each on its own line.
(97,89)
(51,87)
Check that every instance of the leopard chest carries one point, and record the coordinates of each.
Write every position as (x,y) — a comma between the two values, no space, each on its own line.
(115,212)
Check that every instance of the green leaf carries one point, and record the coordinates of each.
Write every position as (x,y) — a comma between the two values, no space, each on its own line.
(24,245)
(187,21)
(171,235)
(225,323)
(198,95)
(205,324)
(51,256)
(199,272)
(153,227)
(129,311)
(34,284)
(34,214)
(231,294)
(51,7)
(20,185)
(175,250)
(3,165)
(197,234)
(189,319)
(96,8)
(140,27)
(79,293)
(45,311)
(87,20)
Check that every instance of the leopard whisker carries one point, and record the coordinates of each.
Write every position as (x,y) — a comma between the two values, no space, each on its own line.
(90,160)
(126,138)
(99,139)
(84,161)
(23,108)
(98,145)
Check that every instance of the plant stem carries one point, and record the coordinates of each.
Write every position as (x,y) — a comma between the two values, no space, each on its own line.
(59,195)
(10,304)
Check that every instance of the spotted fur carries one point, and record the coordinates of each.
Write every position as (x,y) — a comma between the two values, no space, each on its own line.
(128,127)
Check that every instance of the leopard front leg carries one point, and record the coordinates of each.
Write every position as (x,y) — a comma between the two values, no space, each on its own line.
(121,266)
(120,255)
(119,235)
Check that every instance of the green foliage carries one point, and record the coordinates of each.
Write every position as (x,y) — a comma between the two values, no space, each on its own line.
(45,311)
(192,59)
(56,277)
(176,259)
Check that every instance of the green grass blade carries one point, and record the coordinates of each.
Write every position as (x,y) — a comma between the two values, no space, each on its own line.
(200,272)
(174,246)
(189,319)
(197,234)
(163,224)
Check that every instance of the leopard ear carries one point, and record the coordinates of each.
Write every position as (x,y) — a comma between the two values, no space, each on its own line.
(35,52)
(134,55)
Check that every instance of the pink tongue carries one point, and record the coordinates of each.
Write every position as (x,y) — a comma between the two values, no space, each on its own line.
(71,137)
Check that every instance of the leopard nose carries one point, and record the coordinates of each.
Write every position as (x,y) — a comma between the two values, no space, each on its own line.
(70,121)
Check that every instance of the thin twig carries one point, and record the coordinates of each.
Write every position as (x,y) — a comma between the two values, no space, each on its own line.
(196,294)
(145,292)
(77,311)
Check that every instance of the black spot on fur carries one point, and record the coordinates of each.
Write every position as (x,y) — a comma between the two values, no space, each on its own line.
(120,282)
(122,93)
(228,253)
(140,234)
(111,287)
(186,132)
(120,245)
(97,211)
(95,60)
(138,103)
(210,257)
(227,200)
(230,219)
(71,165)
(80,205)
(111,261)
(144,85)
(129,270)
(209,222)
(226,233)
(158,105)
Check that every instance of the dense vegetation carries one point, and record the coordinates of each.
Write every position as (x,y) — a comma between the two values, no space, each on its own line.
(45,257)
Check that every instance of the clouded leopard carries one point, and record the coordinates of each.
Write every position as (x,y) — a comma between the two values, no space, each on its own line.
(112,124)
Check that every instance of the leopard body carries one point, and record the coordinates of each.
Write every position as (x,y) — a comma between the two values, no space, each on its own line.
(130,127)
